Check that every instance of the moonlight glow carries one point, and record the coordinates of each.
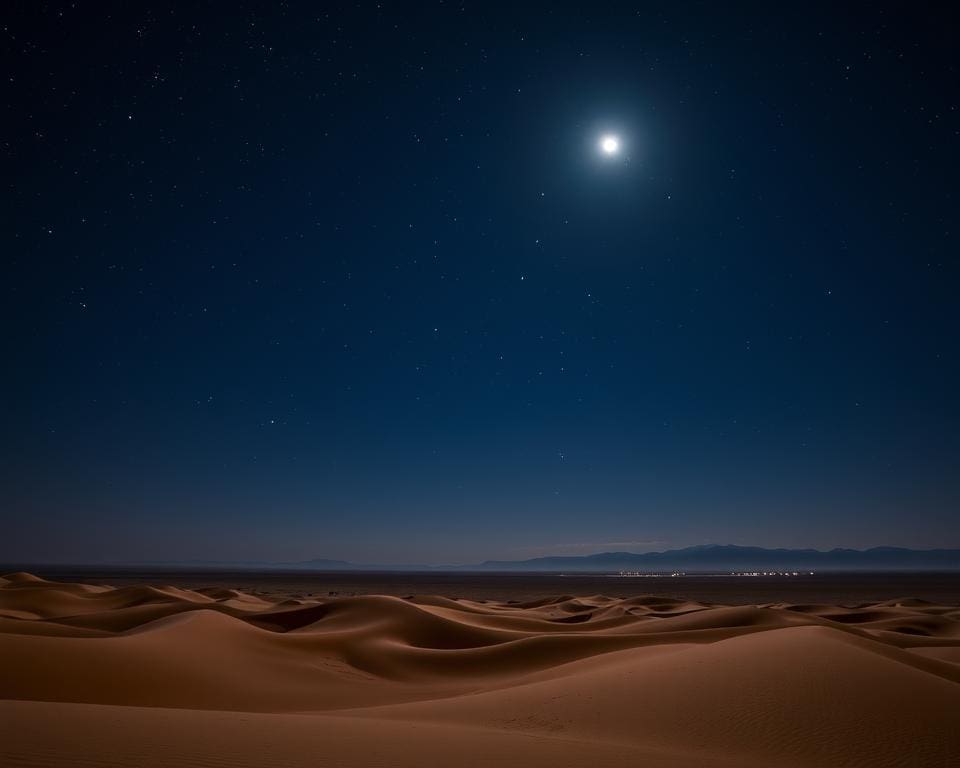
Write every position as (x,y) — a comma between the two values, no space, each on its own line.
(609,144)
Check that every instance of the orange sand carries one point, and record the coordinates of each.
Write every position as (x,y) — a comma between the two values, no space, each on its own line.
(159,676)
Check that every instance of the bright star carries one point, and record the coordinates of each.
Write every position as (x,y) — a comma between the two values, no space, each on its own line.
(609,144)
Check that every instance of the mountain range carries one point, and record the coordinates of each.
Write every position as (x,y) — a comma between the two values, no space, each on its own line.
(696,559)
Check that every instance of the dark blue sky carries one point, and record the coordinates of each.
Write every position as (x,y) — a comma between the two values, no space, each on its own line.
(287,280)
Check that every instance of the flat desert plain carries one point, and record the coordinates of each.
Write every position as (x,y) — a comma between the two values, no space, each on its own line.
(145,675)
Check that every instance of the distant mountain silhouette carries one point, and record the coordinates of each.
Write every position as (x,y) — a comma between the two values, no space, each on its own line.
(725,558)
(713,558)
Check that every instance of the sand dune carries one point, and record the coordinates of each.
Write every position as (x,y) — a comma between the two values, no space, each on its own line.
(166,676)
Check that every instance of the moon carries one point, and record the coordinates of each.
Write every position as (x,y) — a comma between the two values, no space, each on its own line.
(609,144)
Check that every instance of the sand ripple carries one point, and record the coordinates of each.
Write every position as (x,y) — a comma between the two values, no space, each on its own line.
(165,676)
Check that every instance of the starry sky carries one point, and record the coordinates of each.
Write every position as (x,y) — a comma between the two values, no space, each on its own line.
(296,280)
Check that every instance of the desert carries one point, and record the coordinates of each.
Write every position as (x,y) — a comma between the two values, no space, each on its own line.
(480,385)
(150,675)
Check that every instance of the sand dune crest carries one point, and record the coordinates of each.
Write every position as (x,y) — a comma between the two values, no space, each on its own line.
(665,682)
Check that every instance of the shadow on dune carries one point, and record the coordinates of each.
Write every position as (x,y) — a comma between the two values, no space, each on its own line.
(761,682)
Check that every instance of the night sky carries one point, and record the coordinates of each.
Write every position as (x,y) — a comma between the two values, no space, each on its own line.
(284,280)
